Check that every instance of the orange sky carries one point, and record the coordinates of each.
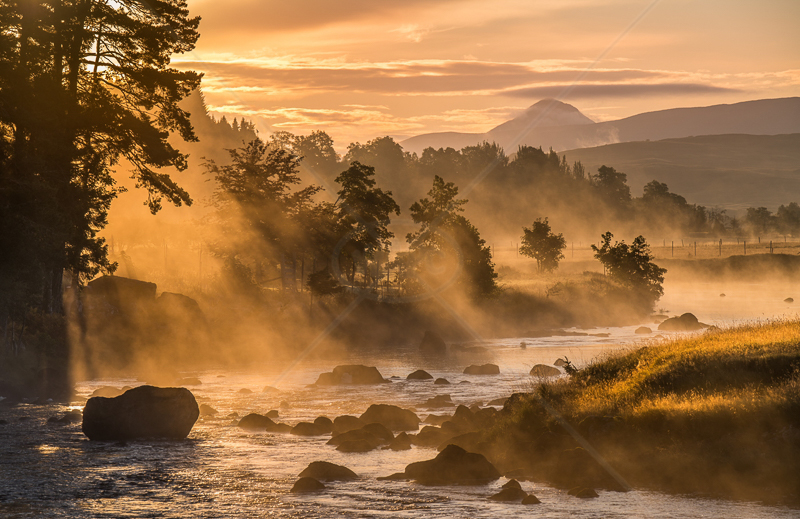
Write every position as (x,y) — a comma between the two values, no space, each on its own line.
(366,68)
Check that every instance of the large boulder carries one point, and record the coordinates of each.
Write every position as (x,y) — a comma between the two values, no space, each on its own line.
(344,423)
(486,369)
(685,323)
(326,471)
(432,343)
(351,374)
(452,466)
(393,417)
(141,412)
(255,422)
(544,371)
(420,374)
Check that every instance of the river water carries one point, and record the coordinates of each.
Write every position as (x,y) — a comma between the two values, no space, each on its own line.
(49,470)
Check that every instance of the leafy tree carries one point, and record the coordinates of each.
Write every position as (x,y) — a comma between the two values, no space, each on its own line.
(540,243)
(789,219)
(255,196)
(613,186)
(632,266)
(363,214)
(760,220)
(320,160)
(445,244)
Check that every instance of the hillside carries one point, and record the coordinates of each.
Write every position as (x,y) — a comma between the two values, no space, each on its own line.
(730,171)
(761,117)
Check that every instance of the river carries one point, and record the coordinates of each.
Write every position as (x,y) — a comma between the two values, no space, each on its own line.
(49,470)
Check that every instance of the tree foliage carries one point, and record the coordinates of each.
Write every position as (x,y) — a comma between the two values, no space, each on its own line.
(632,266)
(85,85)
(446,248)
(540,243)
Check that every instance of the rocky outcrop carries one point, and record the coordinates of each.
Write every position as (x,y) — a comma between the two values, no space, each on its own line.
(685,323)
(307,485)
(453,466)
(326,471)
(141,412)
(544,371)
(432,344)
(420,374)
(485,369)
(393,417)
(351,374)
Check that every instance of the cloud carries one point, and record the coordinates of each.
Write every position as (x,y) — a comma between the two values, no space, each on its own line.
(608,90)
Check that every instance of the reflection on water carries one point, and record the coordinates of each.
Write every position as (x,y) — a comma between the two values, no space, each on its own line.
(52,470)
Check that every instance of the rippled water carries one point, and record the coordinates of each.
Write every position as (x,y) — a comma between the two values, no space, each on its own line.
(49,470)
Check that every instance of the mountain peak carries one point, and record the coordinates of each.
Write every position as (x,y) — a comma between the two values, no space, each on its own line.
(544,113)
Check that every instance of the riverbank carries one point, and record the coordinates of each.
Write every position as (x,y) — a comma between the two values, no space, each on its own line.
(715,414)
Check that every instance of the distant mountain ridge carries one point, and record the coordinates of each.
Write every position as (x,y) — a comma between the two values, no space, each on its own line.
(542,125)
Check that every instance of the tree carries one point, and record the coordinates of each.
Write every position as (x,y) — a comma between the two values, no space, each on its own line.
(540,243)
(446,248)
(255,197)
(85,84)
(632,266)
(363,215)
(760,220)
(613,186)
(789,219)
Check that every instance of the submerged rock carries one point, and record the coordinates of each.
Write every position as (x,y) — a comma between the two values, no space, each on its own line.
(643,330)
(583,493)
(307,484)
(439,401)
(543,370)
(351,374)
(531,500)
(441,381)
(788,300)
(393,417)
(207,410)
(485,369)
(685,323)
(420,374)
(141,412)
(326,471)
(309,429)
(453,465)
(432,343)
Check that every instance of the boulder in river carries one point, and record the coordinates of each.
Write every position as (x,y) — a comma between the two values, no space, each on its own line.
(452,466)
(485,369)
(544,371)
(439,401)
(309,429)
(685,323)
(107,391)
(560,363)
(420,374)
(441,381)
(207,410)
(432,343)
(255,421)
(141,412)
(344,423)
(531,500)
(509,494)
(402,442)
(643,330)
(583,493)
(789,300)
(307,485)
(393,417)
(351,374)
(326,471)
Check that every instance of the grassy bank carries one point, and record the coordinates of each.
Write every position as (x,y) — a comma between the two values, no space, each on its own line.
(716,414)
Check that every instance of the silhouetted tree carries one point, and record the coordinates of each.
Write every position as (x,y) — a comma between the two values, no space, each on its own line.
(789,219)
(613,186)
(632,266)
(540,243)
(760,220)
(447,247)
